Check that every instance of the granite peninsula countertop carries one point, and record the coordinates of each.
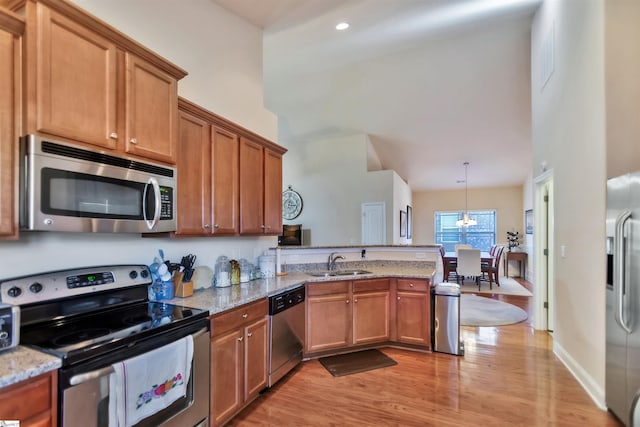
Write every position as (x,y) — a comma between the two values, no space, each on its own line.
(21,363)
(217,300)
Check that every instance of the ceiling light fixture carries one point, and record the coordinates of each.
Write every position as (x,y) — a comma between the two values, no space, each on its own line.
(466,221)
(342,26)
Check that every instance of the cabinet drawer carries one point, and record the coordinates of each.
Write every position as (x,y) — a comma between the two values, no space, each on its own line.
(370,285)
(26,399)
(327,288)
(419,285)
(233,319)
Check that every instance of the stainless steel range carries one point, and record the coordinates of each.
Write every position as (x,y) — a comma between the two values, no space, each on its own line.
(94,318)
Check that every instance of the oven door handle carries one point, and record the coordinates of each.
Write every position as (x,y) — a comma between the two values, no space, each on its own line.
(107,370)
(88,376)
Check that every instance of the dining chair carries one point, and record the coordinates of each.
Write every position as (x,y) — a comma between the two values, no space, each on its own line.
(493,270)
(469,265)
(462,246)
(448,267)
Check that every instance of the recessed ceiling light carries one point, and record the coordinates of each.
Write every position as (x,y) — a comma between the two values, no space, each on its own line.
(342,26)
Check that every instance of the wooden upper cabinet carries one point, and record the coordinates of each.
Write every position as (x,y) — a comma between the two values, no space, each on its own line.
(89,84)
(11,29)
(272,192)
(151,111)
(194,176)
(225,181)
(251,187)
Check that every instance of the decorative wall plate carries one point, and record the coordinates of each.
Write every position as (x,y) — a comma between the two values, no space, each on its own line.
(291,204)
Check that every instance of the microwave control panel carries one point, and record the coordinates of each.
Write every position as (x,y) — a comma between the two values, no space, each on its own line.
(166,203)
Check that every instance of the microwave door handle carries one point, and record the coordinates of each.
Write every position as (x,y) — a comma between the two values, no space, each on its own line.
(619,273)
(156,213)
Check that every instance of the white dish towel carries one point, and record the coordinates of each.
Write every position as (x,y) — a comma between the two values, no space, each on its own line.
(146,384)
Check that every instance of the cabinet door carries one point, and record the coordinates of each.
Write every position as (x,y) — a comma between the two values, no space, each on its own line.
(370,317)
(227,367)
(413,321)
(328,322)
(225,181)
(194,179)
(9,114)
(75,83)
(32,401)
(151,111)
(272,192)
(255,363)
(251,187)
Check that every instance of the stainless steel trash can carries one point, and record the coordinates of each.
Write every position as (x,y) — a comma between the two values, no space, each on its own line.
(445,319)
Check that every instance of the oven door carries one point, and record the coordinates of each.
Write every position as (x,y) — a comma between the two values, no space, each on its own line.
(85,399)
(70,189)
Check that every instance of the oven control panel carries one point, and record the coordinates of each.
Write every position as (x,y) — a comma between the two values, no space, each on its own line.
(66,283)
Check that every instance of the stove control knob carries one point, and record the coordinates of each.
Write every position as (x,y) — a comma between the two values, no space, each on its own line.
(144,274)
(35,287)
(14,292)
(133,274)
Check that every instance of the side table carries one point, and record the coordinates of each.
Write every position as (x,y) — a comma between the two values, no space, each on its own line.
(521,257)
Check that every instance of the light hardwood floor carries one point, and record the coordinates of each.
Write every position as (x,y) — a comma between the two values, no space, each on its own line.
(508,376)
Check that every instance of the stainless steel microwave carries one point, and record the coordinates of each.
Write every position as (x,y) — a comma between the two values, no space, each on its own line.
(67,188)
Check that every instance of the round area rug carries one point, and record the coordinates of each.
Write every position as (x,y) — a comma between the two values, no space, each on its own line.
(480,311)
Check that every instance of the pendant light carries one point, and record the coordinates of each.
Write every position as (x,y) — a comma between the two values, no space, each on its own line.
(466,221)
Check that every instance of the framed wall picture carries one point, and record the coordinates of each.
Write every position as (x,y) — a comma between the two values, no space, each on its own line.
(528,221)
(403,223)
(409,222)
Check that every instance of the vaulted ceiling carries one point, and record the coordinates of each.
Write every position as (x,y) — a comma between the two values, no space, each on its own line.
(433,83)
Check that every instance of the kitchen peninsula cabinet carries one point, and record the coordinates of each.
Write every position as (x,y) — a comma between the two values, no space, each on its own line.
(89,84)
(260,189)
(343,313)
(239,356)
(11,30)
(413,321)
(32,401)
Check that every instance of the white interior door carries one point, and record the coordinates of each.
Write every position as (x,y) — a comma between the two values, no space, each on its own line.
(543,280)
(374,225)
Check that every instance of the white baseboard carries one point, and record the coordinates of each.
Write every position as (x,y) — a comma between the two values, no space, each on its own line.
(588,383)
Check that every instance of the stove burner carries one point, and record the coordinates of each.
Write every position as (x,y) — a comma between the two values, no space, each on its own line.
(136,319)
(80,336)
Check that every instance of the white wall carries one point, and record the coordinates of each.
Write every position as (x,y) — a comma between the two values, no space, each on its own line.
(568,133)
(401,199)
(332,178)
(223,56)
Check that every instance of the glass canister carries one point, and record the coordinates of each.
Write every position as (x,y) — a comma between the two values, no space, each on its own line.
(222,272)
(245,271)
(235,272)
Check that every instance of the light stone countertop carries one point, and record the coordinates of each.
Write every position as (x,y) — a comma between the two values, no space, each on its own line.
(217,300)
(21,363)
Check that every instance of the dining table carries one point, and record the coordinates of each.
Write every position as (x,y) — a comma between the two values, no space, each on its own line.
(450,258)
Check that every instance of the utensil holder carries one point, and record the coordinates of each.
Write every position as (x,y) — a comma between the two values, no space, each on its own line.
(181,289)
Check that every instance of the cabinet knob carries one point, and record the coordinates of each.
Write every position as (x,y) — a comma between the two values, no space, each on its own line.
(207,226)
(398,298)
(263,227)
(411,285)
(245,315)
(249,334)
(113,135)
(355,300)
(347,301)
(240,338)
(133,141)
(216,225)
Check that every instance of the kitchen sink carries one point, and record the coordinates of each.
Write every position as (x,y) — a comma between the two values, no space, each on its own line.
(351,272)
(327,273)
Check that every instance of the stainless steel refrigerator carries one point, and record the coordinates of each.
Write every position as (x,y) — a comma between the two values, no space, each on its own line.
(622,382)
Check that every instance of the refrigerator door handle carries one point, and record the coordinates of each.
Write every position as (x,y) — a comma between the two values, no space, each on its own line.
(619,256)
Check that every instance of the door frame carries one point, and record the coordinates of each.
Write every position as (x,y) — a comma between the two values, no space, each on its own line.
(543,265)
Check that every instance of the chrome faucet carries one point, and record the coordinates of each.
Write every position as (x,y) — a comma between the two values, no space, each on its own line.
(331,262)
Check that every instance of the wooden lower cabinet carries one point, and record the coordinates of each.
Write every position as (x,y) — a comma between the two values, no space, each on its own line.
(341,314)
(239,356)
(413,316)
(32,402)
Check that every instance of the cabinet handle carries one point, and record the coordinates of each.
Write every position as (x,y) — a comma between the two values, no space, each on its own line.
(398,298)
(355,300)
(113,135)
(249,334)
(411,285)
(216,225)
(240,338)
(245,315)
(133,141)
(207,226)
(347,301)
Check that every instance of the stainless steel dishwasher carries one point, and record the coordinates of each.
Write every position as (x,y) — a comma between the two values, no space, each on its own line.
(286,332)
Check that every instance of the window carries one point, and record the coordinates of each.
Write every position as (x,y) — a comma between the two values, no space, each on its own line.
(481,236)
